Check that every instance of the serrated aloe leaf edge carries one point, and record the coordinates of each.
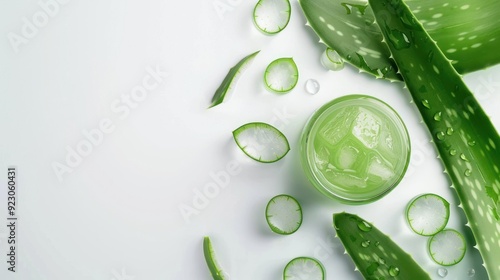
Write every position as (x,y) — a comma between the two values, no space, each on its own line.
(467,31)
(465,138)
(375,255)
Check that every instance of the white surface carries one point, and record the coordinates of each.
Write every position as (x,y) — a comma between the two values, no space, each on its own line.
(117,214)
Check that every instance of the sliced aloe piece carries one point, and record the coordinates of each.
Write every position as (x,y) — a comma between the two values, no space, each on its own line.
(272,16)
(466,140)
(304,268)
(467,31)
(428,214)
(447,247)
(283,214)
(261,142)
(331,60)
(213,266)
(281,75)
(376,256)
(230,80)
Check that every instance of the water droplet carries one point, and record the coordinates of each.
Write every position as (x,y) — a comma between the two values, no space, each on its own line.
(364,226)
(381,261)
(450,131)
(453,152)
(393,270)
(425,102)
(398,39)
(442,272)
(471,272)
(440,135)
(365,244)
(377,244)
(467,172)
(437,116)
(463,157)
(472,143)
(312,86)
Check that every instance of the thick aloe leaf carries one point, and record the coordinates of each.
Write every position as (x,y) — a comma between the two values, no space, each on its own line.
(464,136)
(376,256)
(467,31)
(230,79)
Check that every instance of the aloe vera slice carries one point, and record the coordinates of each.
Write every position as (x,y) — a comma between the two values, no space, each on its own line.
(447,247)
(231,79)
(468,32)
(376,256)
(272,16)
(213,266)
(261,142)
(465,138)
(284,214)
(304,268)
(331,60)
(428,214)
(281,75)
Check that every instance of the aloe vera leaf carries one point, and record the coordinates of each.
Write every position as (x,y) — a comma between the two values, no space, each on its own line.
(465,138)
(376,256)
(213,266)
(230,80)
(468,32)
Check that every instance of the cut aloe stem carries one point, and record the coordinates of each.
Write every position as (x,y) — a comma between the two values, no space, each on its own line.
(304,268)
(283,214)
(331,60)
(272,16)
(281,75)
(447,247)
(466,140)
(261,142)
(230,80)
(376,256)
(211,260)
(428,214)
(467,31)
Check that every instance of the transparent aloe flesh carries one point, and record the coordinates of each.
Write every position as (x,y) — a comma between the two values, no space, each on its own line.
(358,149)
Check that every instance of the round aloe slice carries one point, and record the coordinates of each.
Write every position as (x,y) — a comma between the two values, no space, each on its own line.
(261,142)
(281,75)
(284,214)
(304,268)
(428,214)
(331,60)
(271,16)
(447,247)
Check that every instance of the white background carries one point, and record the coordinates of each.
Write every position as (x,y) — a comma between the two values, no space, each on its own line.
(116,215)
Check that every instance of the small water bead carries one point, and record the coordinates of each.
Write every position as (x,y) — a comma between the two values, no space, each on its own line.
(463,157)
(393,270)
(440,135)
(312,86)
(442,272)
(365,244)
(450,131)
(381,261)
(364,226)
(453,152)
(467,172)
(425,102)
(471,272)
(437,116)
(472,143)
(377,244)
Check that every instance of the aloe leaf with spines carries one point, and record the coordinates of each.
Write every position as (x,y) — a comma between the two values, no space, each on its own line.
(465,138)
(468,32)
(213,266)
(375,255)
(231,78)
